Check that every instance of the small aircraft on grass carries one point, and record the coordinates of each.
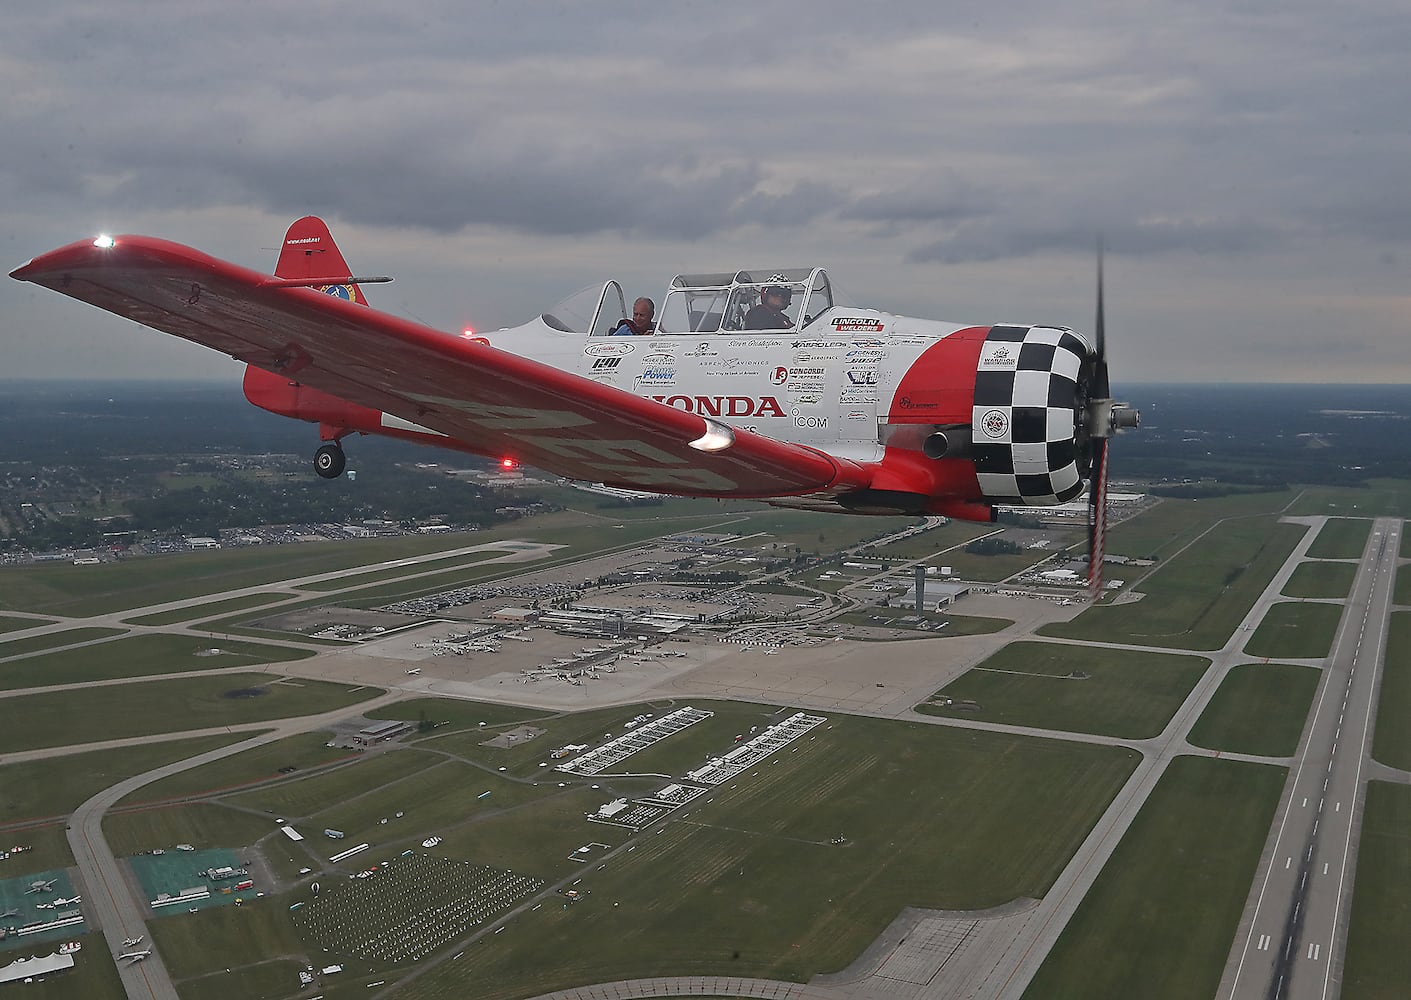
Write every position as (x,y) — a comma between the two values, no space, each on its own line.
(831,408)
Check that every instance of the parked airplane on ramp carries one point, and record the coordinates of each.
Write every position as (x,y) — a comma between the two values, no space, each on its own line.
(755,384)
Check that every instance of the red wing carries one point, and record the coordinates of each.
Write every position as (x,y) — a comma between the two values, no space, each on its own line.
(497,402)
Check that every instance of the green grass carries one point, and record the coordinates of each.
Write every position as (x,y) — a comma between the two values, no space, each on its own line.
(306,796)
(1295,630)
(305,752)
(35,643)
(152,707)
(1402,594)
(140,656)
(1158,921)
(1126,694)
(48,844)
(208,610)
(936,543)
(1195,600)
(1331,580)
(468,561)
(1341,538)
(57,786)
(9,623)
(1378,961)
(1260,708)
(1378,498)
(200,824)
(956,624)
(748,884)
(1165,528)
(222,937)
(135,583)
(93,976)
(1391,742)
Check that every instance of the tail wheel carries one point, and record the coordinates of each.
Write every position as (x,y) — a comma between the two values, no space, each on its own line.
(329,461)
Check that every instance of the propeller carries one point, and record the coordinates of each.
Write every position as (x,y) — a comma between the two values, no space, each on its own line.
(1104,418)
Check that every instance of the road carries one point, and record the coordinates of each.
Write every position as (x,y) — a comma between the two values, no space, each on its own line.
(1292,938)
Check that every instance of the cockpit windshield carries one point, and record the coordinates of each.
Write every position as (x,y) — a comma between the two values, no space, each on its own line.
(767,299)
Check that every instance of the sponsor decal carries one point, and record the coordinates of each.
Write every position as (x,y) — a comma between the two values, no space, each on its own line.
(815,423)
(306,239)
(804,357)
(702,350)
(602,364)
(657,376)
(344,292)
(806,399)
(852,324)
(857,396)
(752,342)
(994,423)
(727,363)
(780,376)
(870,343)
(858,355)
(815,344)
(907,403)
(607,349)
(725,406)
(862,376)
(1002,356)
(857,415)
(659,359)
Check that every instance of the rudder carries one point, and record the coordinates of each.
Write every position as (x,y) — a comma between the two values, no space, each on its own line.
(308,252)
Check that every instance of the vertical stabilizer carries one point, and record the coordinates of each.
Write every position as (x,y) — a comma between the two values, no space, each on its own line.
(309,252)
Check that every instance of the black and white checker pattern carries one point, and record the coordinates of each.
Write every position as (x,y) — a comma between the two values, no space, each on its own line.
(1025,416)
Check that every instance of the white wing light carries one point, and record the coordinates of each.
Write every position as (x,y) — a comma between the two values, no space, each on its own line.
(717,437)
(105,242)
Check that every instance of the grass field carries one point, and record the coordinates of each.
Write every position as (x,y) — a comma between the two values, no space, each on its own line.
(208,610)
(48,849)
(50,640)
(1331,580)
(200,824)
(1164,529)
(140,656)
(468,561)
(1197,599)
(955,624)
(1341,538)
(1158,921)
(304,752)
(750,885)
(152,707)
(1378,498)
(1295,630)
(1378,961)
(1402,594)
(57,786)
(93,977)
(1260,708)
(944,539)
(9,623)
(221,937)
(305,796)
(1391,743)
(1073,689)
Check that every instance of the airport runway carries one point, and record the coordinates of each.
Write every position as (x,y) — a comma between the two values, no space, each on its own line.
(1293,935)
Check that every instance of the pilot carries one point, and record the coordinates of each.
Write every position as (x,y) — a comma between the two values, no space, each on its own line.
(643,310)
(769,313)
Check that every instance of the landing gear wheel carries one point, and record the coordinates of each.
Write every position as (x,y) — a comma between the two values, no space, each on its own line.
(329,461)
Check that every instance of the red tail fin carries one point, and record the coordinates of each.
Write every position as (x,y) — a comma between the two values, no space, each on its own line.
(310,253)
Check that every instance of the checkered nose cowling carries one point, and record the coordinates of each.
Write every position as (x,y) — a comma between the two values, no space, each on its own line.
(1030,444)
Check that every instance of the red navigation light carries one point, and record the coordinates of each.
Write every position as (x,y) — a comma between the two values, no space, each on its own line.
(508,463)
(467,333)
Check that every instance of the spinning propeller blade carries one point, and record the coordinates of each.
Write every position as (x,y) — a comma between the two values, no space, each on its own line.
(1104,419)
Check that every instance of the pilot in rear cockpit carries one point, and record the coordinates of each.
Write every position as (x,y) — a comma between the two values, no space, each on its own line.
(769,313)
(643,311)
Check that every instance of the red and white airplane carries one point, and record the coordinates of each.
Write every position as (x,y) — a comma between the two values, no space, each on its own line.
(832,408)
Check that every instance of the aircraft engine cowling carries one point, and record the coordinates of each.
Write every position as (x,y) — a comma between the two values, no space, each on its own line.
(1030,444)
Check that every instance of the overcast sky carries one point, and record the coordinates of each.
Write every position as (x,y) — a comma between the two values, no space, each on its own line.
(1248,163)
